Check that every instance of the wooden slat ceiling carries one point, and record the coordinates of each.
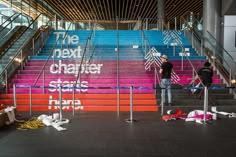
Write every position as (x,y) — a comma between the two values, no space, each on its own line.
(125,10)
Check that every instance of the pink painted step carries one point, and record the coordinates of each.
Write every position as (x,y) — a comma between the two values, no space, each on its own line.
(92,91)
(106,72)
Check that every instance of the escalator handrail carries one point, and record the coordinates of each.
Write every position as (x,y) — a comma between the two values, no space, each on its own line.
(8,19)
(10,22)
(6,67)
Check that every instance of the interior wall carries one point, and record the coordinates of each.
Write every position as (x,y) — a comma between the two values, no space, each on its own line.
(230,34)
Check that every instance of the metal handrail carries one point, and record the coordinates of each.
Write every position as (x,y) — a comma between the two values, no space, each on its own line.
(82,59)
(8,19)
(49,56)
(10,22)
(146,39)
(211,56)
(183,51)
(20,54)
(19,48)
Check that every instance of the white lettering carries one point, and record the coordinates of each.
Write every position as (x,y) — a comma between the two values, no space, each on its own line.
(67,86)
(66,104)
(67,53)
(74,39)
(86,68)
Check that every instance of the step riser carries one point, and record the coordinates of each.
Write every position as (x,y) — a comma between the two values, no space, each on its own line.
(91,108)
(83,102)
(92,91)
(102,80)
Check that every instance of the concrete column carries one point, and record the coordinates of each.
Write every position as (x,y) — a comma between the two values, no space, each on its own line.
(161,13)
(211,18)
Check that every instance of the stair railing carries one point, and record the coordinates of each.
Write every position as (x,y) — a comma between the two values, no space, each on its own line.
(83,59)
(184,54)
(51,55)
(222,61)
(8,25)
(16,61)
(9,20)
(145,43)
(148,45)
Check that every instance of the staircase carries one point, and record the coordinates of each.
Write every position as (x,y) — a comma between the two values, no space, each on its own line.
(105,82)
(97,90)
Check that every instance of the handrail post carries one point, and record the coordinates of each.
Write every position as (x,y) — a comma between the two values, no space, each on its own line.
(205,103)
(6,81)
(162,100)
(131,119)
(33,48)
(60,101)
(30,95)
(131,103)
(201,47)
(117,68)
(155,80)
(182,60)
(43,81)
(192,40)
(14,94)
(21,58)
(73,100)
(230,83)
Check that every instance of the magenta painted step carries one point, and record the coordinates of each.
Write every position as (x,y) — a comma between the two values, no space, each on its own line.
(103,84)
(105,81)
(201,62)
(92,91)
(87,85)
(110,72)
(110,63)
(100,79)
(26,76)
(141,67)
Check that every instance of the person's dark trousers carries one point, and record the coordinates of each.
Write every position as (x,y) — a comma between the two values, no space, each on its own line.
(210,98)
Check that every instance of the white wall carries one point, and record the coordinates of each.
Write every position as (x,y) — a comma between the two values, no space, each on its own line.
(230,34)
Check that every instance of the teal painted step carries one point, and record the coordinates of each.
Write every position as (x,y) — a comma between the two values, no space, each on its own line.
(121,58)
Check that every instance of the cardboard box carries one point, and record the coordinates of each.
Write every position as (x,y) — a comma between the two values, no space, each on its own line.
(4,117)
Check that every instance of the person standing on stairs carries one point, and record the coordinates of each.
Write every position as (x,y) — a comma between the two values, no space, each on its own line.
(165,71)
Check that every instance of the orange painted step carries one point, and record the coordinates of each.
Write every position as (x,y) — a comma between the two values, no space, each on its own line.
(92,108)
(84,102)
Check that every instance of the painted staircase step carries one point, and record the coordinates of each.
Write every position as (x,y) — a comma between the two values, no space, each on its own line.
(79,96)
(90,108)
(90,91)
(84,102)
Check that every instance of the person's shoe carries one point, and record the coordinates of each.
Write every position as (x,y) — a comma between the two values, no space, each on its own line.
(170,104)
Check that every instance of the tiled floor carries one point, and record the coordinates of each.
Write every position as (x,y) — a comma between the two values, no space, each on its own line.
(104,134)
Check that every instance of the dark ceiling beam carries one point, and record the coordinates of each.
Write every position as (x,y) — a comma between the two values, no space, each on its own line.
(123,10)
(80,10)
(101,10)
(88,10)
(93,9)
(105,10)
(70,14)
(137,5)
(131,9)
(109,10)
(142,10)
